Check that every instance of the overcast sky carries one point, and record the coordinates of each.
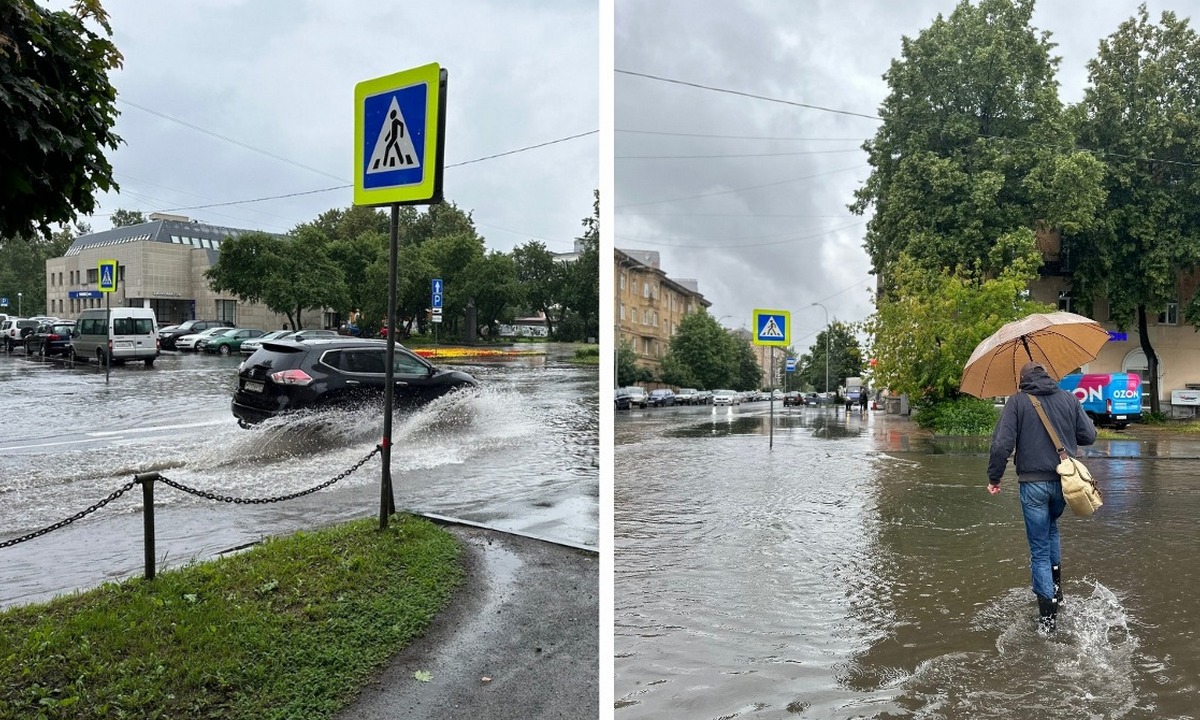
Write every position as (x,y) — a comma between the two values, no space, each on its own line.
(770,229)
(278,76)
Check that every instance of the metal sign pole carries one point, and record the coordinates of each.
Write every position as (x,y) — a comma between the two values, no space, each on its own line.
(387,501)
(108,331)
(771,388)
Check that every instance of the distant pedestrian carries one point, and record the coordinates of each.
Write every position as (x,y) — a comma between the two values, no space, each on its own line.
(1042,502)
(862,400)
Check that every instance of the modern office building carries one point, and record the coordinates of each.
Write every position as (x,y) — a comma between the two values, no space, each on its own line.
(161,266)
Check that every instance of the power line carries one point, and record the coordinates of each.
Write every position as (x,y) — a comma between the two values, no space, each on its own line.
(767,98)
(713,156)
(528,147)
(763,244)
(741,93)
(742,189)
(227,139)
(740,137)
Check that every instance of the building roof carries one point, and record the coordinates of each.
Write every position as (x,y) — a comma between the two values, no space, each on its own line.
(638,259)
(177,232)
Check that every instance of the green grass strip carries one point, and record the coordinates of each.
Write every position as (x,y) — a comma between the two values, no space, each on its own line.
(289,629)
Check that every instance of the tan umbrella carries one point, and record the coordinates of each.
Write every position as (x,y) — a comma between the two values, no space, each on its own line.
(1061,341)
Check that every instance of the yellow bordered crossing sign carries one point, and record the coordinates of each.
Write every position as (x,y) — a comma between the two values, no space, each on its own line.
(106,274)
(772,327)
(399,137)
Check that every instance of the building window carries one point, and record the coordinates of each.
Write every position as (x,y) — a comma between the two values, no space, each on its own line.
(622,281)
(91,276)
(1064,301)
(227,311)
(1170,315)
(645,290)
(622,312)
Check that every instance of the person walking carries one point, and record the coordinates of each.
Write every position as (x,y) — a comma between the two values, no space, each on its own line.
(1036,460)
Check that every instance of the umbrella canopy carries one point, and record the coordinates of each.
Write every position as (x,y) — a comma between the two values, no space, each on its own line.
(1061,341)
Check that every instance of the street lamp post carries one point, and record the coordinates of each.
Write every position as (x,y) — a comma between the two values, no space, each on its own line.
(19,304)
(817,304)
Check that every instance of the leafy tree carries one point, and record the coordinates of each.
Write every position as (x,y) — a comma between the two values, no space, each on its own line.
(581,287)
(1143,108)
(845,358)
(542,278)
(628,371)
(450,256)
(59,109)
(747,374)
(125,218)
(926,331)
(287,275)
(973,145)
(493,286)
(702,355)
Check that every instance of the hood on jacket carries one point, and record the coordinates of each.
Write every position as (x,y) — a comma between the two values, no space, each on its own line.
(1036,381)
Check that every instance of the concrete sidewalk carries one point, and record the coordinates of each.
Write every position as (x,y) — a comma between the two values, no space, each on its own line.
(518,640)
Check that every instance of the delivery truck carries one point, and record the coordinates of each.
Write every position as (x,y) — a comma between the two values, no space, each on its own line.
(1109,399)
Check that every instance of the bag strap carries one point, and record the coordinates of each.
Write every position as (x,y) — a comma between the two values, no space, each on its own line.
(1037,405)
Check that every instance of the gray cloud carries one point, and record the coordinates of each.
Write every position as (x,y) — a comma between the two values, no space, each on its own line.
(280,76)
(773,231)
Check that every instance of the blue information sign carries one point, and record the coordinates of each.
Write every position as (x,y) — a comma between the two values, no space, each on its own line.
(78,294)
(791,364)
(436,288)
(3,302)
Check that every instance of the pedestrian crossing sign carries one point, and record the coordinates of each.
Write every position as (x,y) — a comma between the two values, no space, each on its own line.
(106,273)
(772,327)
(399,138)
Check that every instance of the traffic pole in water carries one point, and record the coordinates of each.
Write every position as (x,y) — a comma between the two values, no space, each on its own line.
(771,389)
(387,501)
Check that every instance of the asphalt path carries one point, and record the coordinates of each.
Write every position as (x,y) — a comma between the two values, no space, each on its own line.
(519,639)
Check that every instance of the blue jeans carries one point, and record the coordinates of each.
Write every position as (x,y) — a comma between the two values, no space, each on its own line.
(1042,503)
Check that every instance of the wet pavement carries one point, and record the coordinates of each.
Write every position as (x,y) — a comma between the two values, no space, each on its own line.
(518,642)
(522,455)
(860,569)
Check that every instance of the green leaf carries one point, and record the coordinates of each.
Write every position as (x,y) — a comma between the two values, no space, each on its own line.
(423,675)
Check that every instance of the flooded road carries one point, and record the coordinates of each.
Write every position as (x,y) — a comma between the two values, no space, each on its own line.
(855,571)
(521,456)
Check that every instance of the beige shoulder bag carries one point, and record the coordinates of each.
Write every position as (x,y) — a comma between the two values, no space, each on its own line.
(1079,489)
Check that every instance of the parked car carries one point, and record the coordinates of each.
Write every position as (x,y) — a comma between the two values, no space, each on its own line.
(302,335)
(621,399)
(229,342)
(726,397)
(190,342)
(202,343)
(249,347)
(115,335)
(285,376)
(687,396)
(637,396)
(793,399)
(704,397)
(15,330)
(188,327)
(50,339)
(661,398)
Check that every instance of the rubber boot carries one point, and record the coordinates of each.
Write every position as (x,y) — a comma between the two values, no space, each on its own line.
(1047,615)
(1056,574)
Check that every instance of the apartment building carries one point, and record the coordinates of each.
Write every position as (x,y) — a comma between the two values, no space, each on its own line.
(650,305)
(1175,342)
(160,265)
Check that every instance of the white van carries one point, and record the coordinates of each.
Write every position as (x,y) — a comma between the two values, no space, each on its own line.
(130,334)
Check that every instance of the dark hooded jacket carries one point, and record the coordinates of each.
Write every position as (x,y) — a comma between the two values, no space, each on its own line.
(1021,429)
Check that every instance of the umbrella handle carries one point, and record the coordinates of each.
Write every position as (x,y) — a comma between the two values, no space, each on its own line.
(1025,344)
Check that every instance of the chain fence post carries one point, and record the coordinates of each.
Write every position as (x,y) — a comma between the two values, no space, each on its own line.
(147,481)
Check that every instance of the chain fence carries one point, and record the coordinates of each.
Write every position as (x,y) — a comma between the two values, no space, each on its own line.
(151,477)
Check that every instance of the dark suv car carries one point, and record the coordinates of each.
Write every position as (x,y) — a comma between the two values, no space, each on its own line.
(284,376)
(166,339)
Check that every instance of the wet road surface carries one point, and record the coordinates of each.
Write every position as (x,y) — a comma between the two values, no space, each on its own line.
(857,570)
(521,455)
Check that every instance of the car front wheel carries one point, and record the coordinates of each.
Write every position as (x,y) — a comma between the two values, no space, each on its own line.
(223,350)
